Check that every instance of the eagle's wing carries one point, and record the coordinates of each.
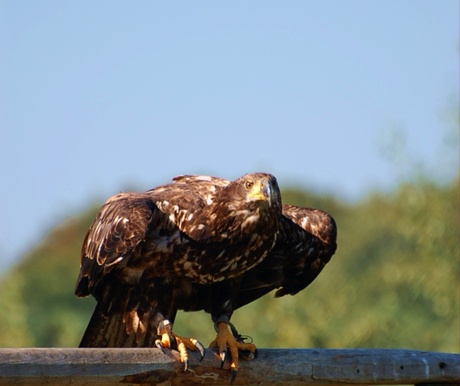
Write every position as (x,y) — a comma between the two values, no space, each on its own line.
(306,243)
(126,220)
(119,228)
(300,272)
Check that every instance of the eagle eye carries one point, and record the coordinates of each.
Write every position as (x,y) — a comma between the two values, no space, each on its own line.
(249,184)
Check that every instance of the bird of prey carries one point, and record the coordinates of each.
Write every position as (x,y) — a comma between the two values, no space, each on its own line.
(197,243)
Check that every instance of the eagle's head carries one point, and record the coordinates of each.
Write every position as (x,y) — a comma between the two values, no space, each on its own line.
(247,205)
(260,188)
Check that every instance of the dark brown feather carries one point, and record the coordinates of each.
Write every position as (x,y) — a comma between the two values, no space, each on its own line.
(307,241)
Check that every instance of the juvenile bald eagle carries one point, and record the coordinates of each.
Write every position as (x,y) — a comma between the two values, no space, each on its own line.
(198,243)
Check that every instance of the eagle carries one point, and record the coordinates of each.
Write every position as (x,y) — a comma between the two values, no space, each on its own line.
(196,243)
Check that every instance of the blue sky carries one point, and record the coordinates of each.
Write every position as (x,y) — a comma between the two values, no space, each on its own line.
(96,97)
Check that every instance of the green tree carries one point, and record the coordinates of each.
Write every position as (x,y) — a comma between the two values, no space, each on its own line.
(14,329)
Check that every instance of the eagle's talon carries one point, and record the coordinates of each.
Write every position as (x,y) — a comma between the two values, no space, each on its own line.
(227,342)
(175,342)
(223,355)
(248,355)
(159,345)
(200,348)
(234,373)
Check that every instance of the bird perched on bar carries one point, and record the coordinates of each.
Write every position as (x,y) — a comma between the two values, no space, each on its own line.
(197,243)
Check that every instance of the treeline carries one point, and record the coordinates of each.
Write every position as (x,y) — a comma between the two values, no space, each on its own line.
(394,281)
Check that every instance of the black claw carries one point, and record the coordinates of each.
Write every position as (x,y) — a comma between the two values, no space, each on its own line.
(158,344)
(234,372)
(247,355)
(200,348)
(173,344)
(222,358)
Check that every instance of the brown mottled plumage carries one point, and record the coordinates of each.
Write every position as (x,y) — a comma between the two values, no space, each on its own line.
(198,243)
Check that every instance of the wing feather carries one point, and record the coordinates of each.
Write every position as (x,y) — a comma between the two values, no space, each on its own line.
(119,228)
(184,199)
(306,242)
(128,220)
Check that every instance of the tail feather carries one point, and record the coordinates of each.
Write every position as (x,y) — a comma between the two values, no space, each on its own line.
(121,329)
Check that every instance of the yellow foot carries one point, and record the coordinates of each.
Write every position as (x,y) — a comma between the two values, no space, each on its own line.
(176,342)
(225,340)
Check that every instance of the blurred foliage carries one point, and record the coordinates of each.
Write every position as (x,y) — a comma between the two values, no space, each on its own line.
(394,281)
